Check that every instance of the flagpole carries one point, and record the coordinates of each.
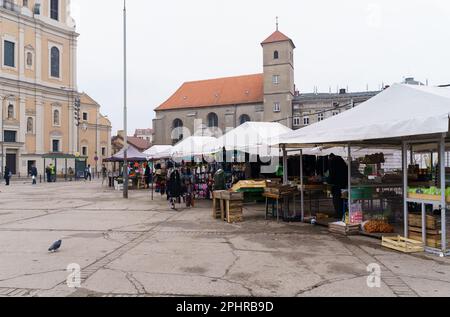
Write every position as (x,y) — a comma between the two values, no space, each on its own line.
(125,137)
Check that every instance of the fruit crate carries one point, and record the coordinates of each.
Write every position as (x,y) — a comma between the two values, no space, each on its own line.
(402,244)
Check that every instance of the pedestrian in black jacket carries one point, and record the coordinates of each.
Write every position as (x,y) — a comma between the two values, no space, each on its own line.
(174,188)
(34,174)
(7,175)
(338,179)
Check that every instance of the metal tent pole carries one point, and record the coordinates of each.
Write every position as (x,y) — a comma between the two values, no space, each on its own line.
(285,166)
(302,193)
(349,178)
(443,194)
(405,187)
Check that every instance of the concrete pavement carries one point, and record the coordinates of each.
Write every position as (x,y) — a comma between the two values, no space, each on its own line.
(141,248)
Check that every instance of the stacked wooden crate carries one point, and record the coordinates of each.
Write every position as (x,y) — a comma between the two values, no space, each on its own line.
(433,225)
(233,204)
(281,190)
(344,229)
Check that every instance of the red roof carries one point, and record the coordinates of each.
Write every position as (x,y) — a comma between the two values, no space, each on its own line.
(139,143)
(217,92)
(277,36)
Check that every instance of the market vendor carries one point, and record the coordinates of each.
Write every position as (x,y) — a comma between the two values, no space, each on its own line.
(338,179)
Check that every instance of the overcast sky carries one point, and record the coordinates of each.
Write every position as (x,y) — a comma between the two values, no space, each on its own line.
(348,43)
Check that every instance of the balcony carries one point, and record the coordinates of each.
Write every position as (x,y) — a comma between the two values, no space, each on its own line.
(10,5)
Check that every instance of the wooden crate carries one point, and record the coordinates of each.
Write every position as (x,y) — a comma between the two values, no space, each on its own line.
(436,198)
(433,240)
(226,195)
(402,244)
(234,210)
(433,222)
(218,208)
(347,230)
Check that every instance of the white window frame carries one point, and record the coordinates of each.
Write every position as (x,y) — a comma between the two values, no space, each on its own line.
(335,113)
(49,10)
(12,39)
(320,117)
(59,108)
(87,150)
(276,79)
(60,48)
(296,121)
(60,147)
(87,116)
(276,107)
(105,150)
(306,120)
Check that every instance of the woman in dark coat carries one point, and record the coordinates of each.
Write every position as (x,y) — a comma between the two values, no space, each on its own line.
(7,175)
(174,188)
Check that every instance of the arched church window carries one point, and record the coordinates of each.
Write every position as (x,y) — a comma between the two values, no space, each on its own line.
(213,120)
(276,55)
(244,118)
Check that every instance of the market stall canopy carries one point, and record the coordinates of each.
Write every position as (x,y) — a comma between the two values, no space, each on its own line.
(253,138)
(398,112)
(132,155)
(158,152)
(343,151)
(194,146)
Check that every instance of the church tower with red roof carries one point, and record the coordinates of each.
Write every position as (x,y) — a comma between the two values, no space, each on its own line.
(279,85)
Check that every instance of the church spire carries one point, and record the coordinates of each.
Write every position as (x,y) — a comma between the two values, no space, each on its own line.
(277,23)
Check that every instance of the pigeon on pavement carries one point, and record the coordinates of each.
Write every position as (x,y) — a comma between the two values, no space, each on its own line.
(55,246)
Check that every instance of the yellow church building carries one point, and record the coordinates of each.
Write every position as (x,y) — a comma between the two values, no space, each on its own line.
(38,91)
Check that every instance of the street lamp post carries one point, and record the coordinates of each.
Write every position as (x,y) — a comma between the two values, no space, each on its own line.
(125,138)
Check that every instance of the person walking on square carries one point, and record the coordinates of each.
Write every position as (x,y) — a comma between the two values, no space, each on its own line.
(34,174)
(174,188)
(48,171)
(52,173)
(104,174)
(7,175)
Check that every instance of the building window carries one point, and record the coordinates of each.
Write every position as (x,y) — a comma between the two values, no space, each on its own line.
(84,151)
(335,113)
(56,117)
(56,146)
(85,116)
(30,125)
(10,136)
(9,54)
(213,120)
(296,121)
(305,120)
(276,107)
(103,151)
(10,112)
(54,61)
(177,133)
(276,79)
(276,55)
(25,3)
(244,118)
(54,9)
(320,117)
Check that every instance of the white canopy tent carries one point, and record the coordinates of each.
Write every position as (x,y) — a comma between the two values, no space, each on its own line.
(399,111)
(158,152)
(254,138)
(402,115)
(194,146)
